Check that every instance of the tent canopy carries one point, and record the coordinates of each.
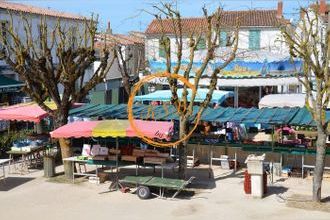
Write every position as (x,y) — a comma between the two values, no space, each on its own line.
(165,95)
(25,112)
(276,116)
(255,82)
(282,100)
(114,128)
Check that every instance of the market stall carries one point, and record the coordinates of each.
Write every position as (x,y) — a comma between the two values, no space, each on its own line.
(28,146)
(116,129)
(260,126)
(30,112)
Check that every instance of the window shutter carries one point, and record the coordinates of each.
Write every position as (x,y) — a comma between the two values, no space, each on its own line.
(201,44)
(254,39)
(223,39)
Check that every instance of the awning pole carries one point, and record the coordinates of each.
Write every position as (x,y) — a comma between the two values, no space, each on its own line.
(236,97)
(235,159)
(117,146)
(302,166)
(273,138)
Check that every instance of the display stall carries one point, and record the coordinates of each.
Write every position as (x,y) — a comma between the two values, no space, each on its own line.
(102,156)
(29,146)
(30,112)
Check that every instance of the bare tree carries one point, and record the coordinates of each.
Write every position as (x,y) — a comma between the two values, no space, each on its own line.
(209,31)
(52,62)
(310,41)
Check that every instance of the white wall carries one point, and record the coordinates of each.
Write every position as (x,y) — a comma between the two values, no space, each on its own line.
(34,20)
(269,42)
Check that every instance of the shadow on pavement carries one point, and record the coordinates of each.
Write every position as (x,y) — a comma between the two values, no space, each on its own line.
(271,190)
(326,199)
(10,183)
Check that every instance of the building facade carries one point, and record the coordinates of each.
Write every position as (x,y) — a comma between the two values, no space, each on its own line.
(132,46)
(262,59)
(17,15)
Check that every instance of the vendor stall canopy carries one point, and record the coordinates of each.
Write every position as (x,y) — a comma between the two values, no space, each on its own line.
(31,112)
(114,128)
(276,116)
(165,96)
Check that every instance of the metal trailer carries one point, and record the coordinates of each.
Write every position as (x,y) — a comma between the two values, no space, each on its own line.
(144,183)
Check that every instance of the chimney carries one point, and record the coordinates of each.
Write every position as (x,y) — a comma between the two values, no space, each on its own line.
(279,13)
(323,7)
(109,31)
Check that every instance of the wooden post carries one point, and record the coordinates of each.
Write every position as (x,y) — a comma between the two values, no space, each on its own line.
(273,134)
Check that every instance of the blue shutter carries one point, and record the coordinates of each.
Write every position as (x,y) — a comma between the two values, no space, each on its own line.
(223,39)
(254,39)
(201,44)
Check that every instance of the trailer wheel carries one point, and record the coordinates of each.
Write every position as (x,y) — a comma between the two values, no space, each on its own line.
(143,192)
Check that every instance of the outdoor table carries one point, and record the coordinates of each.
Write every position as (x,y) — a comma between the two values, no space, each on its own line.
(220,159)
(2,163)
(305,166)
(155,161)
(95,163)
(75,160)
(26,158)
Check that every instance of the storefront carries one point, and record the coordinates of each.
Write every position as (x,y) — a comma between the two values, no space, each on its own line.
(10,91)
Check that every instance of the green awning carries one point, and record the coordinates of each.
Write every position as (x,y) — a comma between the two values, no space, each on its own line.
(304,118)
(275,116)
(9,85)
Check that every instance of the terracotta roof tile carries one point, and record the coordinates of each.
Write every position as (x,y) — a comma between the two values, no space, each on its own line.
(36,10)
(251,18)
(113,39)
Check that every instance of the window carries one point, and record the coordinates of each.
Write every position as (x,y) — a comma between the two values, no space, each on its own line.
(4,26)
(254,39)
(223,39)
(201,44)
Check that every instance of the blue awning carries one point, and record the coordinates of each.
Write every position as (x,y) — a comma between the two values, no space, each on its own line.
(165,96)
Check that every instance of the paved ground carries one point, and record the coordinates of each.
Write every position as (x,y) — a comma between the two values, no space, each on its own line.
(34,197)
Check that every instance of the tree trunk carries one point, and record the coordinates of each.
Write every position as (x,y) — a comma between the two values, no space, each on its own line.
(183,147)
(127,85)
(319,164)
(61,118)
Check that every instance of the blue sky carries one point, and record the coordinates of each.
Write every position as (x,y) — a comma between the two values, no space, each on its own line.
(128,15)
